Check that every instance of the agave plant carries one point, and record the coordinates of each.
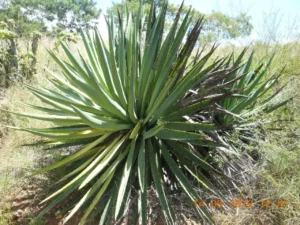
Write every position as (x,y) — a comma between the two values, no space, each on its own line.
(253,96)
(141,110)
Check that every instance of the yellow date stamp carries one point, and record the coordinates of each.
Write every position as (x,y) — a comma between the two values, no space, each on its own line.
(242,203)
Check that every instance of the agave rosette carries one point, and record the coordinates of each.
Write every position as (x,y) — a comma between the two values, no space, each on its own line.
(130,103)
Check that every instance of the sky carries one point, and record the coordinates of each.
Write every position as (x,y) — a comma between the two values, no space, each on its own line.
(280,18)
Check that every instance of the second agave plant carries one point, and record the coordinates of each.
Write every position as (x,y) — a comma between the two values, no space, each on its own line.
(142,110)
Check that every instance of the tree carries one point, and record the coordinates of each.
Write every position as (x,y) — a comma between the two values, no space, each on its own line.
(13,64)
(65,14)
(217,25)
(220,26)
(23,25)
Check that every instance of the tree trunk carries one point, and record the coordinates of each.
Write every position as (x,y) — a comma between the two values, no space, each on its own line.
(13,49)
(14,54)
(34,48)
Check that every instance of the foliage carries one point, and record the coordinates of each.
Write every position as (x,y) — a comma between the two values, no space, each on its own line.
(15,65)
(65,36)
(34,15)
(6,30)
(131,107)
(254,84)
(217,25)
(23,25)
